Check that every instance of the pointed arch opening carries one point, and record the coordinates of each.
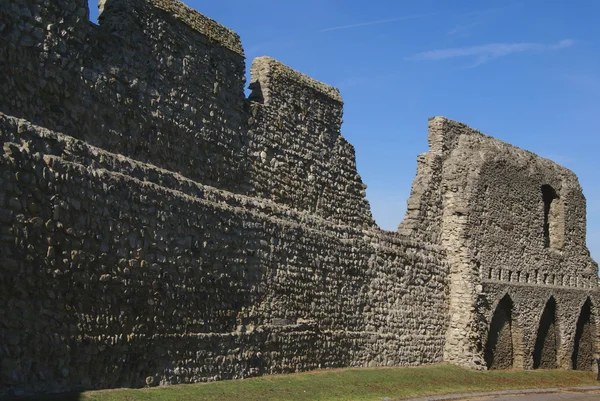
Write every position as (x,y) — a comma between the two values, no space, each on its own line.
(503,346)
(583,347)
(545,353)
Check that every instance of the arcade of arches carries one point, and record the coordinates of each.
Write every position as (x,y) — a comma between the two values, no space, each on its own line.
(503,349)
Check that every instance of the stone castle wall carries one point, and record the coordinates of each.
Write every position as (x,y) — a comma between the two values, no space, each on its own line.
(483,201)
(160,83)
(144,84)
(115,271)
(158,227)
(181,232)
(295,140)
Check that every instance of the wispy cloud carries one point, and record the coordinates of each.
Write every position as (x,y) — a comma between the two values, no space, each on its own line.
(491,51)
(369,23)
(479,17)
(491,11)
(463,29)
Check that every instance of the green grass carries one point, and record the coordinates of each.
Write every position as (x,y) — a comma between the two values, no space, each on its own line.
(353,384)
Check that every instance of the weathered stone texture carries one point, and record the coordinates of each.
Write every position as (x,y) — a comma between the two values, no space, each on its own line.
(499,349)
(158,227)
(142,84)
(583,350)
(299,156)
(529,302)
(483,201)
(170,279)
(544,353)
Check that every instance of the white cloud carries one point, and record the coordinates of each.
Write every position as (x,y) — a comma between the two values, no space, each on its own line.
(368,23)
(491,51)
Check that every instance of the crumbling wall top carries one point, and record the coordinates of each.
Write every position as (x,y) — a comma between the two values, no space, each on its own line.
(206,26)
(266,69)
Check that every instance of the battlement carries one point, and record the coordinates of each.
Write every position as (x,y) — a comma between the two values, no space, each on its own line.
(160,83)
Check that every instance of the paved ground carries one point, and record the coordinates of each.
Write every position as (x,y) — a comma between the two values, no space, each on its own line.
(551,394)
(575,396)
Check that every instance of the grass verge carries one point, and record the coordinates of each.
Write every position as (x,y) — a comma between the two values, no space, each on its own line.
(371,384)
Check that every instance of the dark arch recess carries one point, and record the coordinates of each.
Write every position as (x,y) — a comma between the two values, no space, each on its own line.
(499,349)
(583,347)
(546,345)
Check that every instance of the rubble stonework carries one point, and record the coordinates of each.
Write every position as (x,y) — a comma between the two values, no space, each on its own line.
(158,227)
(483,201)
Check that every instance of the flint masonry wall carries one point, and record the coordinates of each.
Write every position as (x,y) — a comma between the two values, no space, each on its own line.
(119,272)
(156,81)
(116,273)
(300,157)
(161,83)
(484,201)
(158,227)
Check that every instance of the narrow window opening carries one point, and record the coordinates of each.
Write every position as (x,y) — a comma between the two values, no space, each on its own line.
(553,218)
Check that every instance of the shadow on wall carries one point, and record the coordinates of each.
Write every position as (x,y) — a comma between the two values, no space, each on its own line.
(102,350)
(583,349)
(503,348)
(546,346)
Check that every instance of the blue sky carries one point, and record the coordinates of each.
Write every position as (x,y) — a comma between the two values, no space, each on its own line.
(526,72)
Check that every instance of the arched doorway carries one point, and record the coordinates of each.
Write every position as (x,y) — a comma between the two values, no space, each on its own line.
(502,347)
(546,345)
(583,347)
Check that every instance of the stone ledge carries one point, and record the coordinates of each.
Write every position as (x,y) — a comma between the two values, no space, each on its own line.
(545,286)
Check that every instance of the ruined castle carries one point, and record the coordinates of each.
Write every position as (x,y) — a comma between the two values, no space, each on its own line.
(159,227)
